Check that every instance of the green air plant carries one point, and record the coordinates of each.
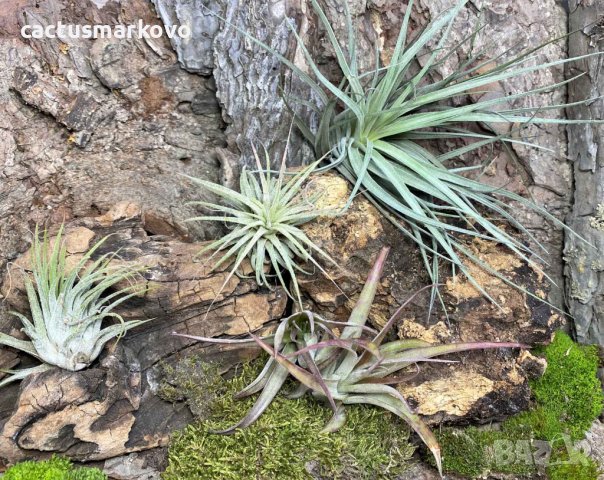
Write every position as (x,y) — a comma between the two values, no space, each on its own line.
(68,306)
(265,218)
(374,125)
(347,368)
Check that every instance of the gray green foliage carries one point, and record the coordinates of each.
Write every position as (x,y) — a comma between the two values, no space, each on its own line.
(374,126)
(265,218)
(68,305)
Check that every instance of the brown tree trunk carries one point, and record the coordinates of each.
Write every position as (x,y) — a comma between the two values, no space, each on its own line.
(584,264)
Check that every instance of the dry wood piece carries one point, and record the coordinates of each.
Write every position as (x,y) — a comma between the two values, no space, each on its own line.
(111,409)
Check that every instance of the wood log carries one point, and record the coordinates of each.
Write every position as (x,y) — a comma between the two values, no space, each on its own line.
(112,408)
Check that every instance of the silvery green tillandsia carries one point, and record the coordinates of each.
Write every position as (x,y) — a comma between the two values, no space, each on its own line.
(265,219)
(374,127)
(68,305)
(350,368)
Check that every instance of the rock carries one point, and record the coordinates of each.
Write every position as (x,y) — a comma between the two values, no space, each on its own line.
(111,409)
(146,465)
(420,471)
(593,444)
(484,385)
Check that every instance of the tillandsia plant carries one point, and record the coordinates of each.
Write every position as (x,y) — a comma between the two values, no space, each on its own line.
(354,367)
(69,304)
(373,126)
(265,219)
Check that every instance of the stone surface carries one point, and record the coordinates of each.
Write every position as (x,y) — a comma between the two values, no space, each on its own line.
(146,465)
(594,444)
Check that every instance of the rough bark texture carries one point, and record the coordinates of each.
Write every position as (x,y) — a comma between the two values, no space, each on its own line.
(121,118)
(85,124)
(113,409)
(584,264)
(248,78)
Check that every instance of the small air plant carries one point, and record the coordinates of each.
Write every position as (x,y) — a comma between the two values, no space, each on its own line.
(374,125)
(68,306)
(346,368)
(265,219)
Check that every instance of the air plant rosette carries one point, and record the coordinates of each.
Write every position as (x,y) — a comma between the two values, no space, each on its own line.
(373,127)
(264,220)
(69,305)
(352,367)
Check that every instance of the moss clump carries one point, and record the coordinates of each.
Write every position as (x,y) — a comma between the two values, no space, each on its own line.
(286,443)
(192,380)
(54,469)
(568,398)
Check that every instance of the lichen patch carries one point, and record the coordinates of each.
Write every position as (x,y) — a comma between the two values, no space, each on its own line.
(597,221)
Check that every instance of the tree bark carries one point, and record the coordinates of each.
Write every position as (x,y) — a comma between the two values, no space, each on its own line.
(584,264)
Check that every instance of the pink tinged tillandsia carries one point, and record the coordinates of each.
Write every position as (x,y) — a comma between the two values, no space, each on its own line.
(344,369)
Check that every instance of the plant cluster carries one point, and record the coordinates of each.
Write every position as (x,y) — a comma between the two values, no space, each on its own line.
(344,369)
(285,442)
(68,305)
(265,218)
(374,127)
(56,468)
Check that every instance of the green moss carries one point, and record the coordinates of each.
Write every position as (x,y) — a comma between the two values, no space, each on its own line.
(582,468)
(568,398)
(54,469)
(286,443)
(191,380)
(569,393)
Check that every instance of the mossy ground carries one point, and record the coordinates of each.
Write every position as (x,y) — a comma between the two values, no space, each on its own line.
(568,398)
(286,443)
(54,469)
